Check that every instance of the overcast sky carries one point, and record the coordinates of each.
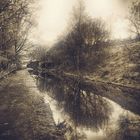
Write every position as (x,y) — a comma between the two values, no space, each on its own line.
(52,17)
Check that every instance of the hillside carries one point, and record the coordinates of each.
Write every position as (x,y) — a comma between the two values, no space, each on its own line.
(118,63)
(122,65)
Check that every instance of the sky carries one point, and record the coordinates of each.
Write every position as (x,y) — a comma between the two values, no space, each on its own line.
(52,17)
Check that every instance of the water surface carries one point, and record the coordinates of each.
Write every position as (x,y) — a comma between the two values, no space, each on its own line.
(85,115)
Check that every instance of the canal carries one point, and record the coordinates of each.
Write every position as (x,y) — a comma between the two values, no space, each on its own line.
(83,114)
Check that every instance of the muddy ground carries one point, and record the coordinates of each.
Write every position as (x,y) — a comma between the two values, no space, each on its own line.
(23,113)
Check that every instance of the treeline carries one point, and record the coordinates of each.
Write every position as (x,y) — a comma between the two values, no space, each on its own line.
(14,24)
(83,45)
(80,46)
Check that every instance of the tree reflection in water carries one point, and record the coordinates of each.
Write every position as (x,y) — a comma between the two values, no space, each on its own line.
(84,108)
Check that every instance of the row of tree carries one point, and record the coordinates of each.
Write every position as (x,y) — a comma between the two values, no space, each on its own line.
(79,45)
(83,44)
(14,24)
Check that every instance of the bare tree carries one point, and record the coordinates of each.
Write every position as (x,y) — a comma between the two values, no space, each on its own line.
(14,25)
(85,33)
(134,18)
(40,53)
(75,37)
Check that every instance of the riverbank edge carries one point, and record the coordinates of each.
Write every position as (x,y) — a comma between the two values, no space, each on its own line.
(126,96)
(25,111)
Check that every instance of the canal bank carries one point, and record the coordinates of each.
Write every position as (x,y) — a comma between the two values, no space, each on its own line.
(24,114)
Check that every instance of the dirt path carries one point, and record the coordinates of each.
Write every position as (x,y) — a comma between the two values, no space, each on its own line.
(23,113)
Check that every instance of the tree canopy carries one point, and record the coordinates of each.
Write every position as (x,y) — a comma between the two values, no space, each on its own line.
(14,26)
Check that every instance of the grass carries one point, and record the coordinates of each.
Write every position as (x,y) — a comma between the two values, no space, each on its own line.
(122,65)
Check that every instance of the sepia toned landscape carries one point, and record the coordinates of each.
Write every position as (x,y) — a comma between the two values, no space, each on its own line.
(69,70)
